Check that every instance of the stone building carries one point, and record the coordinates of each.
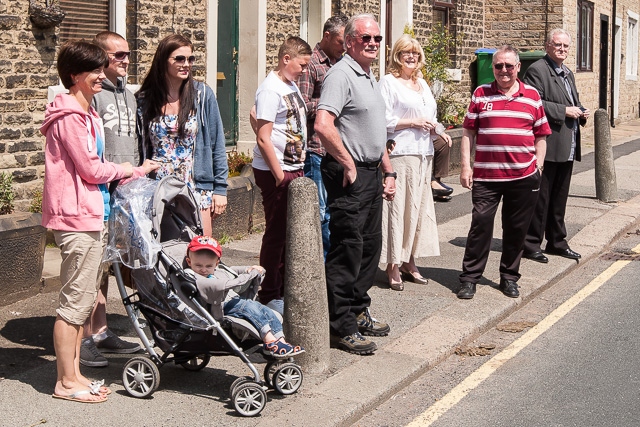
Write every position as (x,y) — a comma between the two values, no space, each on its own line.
(236,44)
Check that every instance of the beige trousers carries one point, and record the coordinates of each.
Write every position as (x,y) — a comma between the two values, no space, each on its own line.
(409,221)
(81,263)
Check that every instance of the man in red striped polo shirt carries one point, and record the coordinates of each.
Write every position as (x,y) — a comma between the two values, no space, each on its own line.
(507,123)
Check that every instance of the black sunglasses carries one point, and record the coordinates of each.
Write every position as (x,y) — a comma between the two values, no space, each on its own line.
(120,55)
(367,38)
(182,59)
(506,66)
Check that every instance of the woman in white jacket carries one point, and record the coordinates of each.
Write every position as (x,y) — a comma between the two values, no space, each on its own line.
(409,223)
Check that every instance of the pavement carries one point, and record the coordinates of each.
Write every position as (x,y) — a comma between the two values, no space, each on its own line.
(427,323)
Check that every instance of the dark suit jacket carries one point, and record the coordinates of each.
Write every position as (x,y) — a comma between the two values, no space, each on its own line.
(555,99)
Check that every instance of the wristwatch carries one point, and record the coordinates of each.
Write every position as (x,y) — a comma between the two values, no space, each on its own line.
(540,168)
(391,175)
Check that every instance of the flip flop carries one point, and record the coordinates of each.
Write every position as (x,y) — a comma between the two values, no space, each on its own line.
(99,387)
(74,397)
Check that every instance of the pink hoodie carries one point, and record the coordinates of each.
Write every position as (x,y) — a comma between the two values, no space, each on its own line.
(71,200)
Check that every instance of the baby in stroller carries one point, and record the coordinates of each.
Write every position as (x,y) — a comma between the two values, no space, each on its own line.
(220,285)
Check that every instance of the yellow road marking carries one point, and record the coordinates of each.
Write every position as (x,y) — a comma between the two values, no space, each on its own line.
(439,408)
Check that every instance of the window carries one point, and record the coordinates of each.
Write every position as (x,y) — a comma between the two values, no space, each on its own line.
(85,18)
(585,36)
(632,46)
(336,8)
(443,11)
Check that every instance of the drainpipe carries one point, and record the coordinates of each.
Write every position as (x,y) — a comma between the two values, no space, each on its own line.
(546,22)
(613,59)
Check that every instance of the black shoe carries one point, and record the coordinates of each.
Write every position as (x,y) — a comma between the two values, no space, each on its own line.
(368,325)
(467,290)
(441,192)
(444,185)
(90,355)
(565,253)
(509,288)
(442,198)
(354,343)
(535,256)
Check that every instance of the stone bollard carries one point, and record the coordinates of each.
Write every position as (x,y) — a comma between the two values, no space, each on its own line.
(606,186)
(306,318)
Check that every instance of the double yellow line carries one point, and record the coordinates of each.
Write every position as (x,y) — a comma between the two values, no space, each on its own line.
(485,371)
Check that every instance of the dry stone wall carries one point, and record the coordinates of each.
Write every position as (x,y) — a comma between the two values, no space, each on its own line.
(27,69)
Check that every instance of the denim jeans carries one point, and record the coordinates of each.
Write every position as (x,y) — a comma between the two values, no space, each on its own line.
(261,317)
(312,170)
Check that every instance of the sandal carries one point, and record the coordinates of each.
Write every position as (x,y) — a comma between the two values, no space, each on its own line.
(278,349)
(296,351)
(396,286)
(99,387)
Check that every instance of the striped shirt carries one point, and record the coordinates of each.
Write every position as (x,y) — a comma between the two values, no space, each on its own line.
(506,128)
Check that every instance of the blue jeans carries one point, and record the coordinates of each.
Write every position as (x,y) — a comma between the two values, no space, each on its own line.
(261,317)
(312,170)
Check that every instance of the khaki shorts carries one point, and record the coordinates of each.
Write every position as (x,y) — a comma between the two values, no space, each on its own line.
(81,263)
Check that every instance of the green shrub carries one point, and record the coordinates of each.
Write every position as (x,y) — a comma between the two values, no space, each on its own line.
(437,60)
(237,161)
(36,202)
(6,193)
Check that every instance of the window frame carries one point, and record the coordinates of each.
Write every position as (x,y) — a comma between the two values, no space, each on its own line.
(631,57)
(584,39)
(447,6)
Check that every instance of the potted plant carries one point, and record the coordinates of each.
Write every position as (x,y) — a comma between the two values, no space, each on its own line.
(22,244)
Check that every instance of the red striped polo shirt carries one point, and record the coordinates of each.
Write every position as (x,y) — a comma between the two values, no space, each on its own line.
(506,128)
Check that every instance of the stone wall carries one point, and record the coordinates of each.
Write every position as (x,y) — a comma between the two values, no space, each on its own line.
(27,69)
(283,20)
(149,21)
(522,23)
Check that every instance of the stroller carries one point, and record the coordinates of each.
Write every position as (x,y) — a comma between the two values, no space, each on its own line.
(151,224)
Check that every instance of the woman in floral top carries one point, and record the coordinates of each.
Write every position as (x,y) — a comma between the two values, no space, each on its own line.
(180,126)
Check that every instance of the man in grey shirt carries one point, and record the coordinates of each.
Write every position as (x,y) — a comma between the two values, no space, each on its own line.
(350,122)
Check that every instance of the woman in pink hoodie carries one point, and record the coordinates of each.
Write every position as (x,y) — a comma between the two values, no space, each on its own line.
(75,205)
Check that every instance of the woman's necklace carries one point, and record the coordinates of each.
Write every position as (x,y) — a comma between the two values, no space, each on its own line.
(410,83)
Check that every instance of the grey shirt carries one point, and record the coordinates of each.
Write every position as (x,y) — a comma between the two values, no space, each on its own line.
(354,97)
(116,105)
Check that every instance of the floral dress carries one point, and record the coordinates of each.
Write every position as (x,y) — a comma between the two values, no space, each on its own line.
(175,154)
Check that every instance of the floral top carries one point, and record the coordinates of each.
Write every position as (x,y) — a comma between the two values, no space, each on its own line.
(175,154)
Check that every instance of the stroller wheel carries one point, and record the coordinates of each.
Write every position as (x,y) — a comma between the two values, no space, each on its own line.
(140,377)
(270,370)
(287,379)
(249,399)
(197,363)
(236,383)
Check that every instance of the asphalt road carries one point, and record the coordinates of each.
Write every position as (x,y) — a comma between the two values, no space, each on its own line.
(582,371)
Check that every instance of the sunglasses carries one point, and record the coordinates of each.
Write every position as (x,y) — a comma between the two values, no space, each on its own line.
(120,55)
(501,66)
(367,38)
(181,59)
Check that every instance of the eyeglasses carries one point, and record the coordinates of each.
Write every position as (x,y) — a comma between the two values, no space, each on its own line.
(407,53)
(120,55)
(367,38)
(560,45)
(501,66)
(181,59)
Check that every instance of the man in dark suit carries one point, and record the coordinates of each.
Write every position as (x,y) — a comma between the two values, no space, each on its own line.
(565,114)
